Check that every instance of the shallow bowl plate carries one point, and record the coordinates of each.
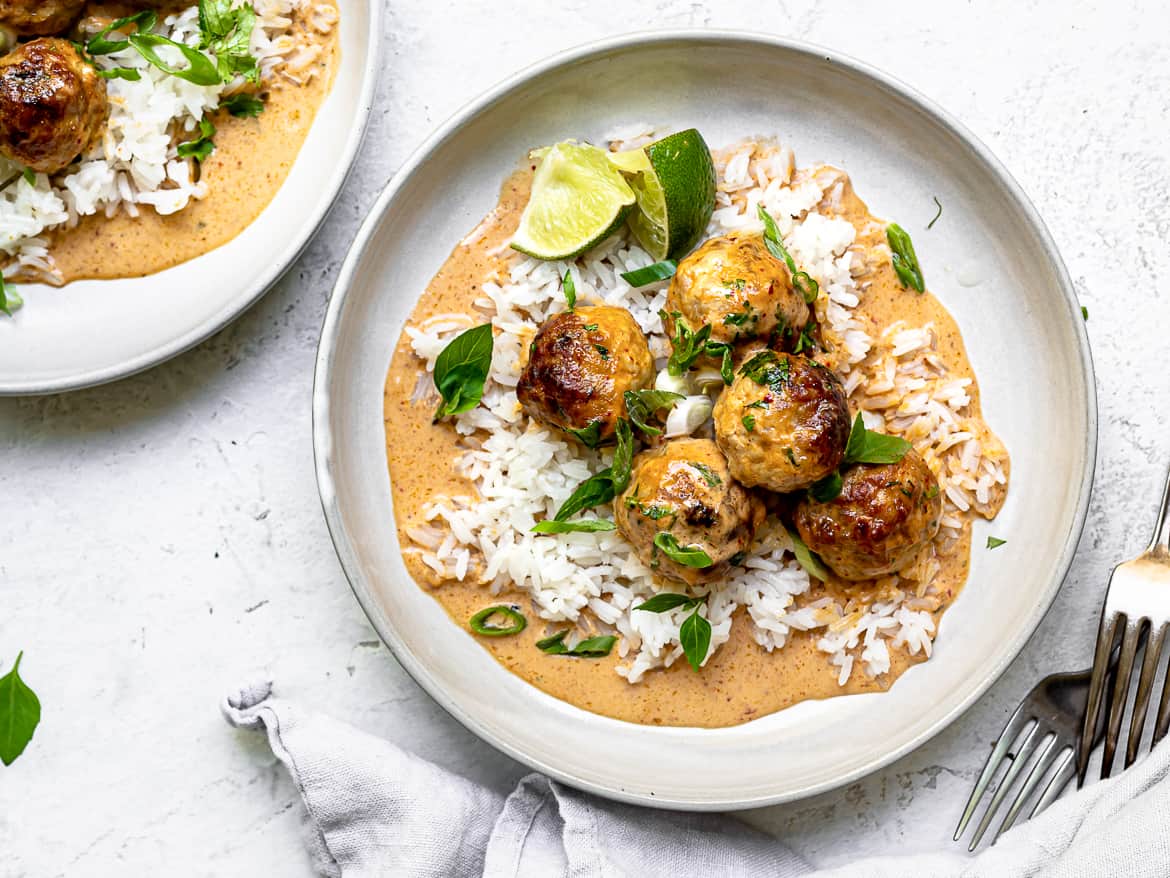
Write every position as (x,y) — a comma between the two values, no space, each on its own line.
(1021,323)
(91,332)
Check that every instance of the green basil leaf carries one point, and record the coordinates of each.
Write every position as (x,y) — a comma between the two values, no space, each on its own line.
(554,645)
(749,423)
(665,601)
(801,280)
(130,74)
(216,20)
(641,404)
(594,647)
(594,491)
(243,105)
(808,559)
(202,147)
(623,456)
(570,290)
(994,542)
(201,70)
(461,370)
(588,436)
(641,277)
(20,713)
(695,636)
(99,45)
(688,556)
(581,525)
(868,446)
(30,176)
(9,300)
(479,622)
(227,32)
(904,259)
(827,489)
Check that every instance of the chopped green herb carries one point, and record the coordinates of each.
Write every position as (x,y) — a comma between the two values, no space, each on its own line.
(827,489)
(739,318)
(242,105)
(1084,313)
(641,277)
(695,636)
(723,351)
(226,30)
(602,350)
(709,475)
(808,559)
(30,176)
(904,259)
(98,44)
(130,74)
(791,457)
(20,714)
(805,341)
(932,491)
(994,542)
(589,436)
(461,370)
(203,146)
(688,345)
(767,370)
(758,404)
(9,300)
(868,446)
(938,203)
(802,281)
(479,622)
(737,559)
(688,556)
(581,525)
(652,512)
(570,289)
(749,423)
(590,327)
(641,404)
(623,456)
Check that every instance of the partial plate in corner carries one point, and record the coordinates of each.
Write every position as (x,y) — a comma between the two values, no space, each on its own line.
(92,332)
(1022,326)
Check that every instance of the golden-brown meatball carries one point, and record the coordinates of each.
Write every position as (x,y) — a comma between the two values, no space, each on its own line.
(53,105)
(783,423)
(39,17)
(581,364)
(734,284)
(884,515)
(684,489)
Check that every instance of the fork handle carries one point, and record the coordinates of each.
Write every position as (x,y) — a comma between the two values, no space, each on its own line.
(1162,529)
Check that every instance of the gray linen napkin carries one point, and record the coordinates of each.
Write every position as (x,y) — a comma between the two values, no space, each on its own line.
(373,810)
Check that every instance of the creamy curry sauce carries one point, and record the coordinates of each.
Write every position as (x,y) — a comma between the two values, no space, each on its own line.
(250,163)
(741,681)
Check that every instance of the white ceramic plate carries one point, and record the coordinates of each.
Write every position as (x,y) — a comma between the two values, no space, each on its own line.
(91,332)
(1022,326)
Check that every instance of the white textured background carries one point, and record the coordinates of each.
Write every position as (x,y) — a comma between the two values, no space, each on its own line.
(162,537)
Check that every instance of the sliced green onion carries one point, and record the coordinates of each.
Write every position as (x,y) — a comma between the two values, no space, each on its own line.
(99,45)
(479,622)
(641,277)
(583,525)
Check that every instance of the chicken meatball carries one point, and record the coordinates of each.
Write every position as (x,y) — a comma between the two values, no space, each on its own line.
(580,366)
(734,284)
(783,423)
(681,494)
(39,17)
(53,105)
(877,525)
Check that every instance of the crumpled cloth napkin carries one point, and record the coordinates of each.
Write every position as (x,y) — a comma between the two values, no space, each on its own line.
(374,810)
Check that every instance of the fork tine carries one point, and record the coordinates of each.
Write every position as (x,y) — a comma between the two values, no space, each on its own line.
(1044,760)
(1105,638)
(1007,737)
(1129,645)
(1141,704)
(1162,724)
(1022,756)
(1065,770)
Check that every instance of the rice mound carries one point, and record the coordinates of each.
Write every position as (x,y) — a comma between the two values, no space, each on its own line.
(136,163)
(523,472)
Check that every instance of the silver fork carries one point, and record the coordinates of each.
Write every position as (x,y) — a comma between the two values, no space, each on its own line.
(1049,717)
(1137,607)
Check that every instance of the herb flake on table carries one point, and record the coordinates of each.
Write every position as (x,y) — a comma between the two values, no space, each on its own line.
(995,542)
(20,714)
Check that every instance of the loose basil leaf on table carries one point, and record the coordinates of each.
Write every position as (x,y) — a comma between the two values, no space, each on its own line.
(20,713)
(461,370)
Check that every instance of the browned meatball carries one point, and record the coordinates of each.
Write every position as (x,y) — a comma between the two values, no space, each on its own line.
(581,364)
(884,515)
(53,105)
(39,17)
(734,284)
(684,489)
(783,423)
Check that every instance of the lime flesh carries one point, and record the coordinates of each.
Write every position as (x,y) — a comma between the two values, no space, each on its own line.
(578,200)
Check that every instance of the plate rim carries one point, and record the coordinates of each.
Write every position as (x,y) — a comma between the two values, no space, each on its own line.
(276,269)
(324,445)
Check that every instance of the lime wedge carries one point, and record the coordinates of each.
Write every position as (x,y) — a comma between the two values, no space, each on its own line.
(674,181)
(578,200)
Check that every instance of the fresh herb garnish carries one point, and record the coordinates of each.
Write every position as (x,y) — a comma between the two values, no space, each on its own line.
(602,350)
(723,351)
(758,404)
(652,512)
(581,525)
(242,105)
(791,455)
(9,300)
(623,456)
(30,176)
(805,341)
(1084,313)
(709,475)
(767,370)
(570,289)
(590,327)
(995,542)
(932,491)
(749,423)
(739,318)
(20,713)
(641,404)
(98,44)
(461,370)
(695,632)
(641,277)
(200,69)
(808,559)
(938,203)
(226,30)
(130,74)
(594,491)
(868,446)
(827,489)
(479,622)
(688,556)
(688,344)
(802,281)
(589,436)
(203,146)
(593,647)
(904,259)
